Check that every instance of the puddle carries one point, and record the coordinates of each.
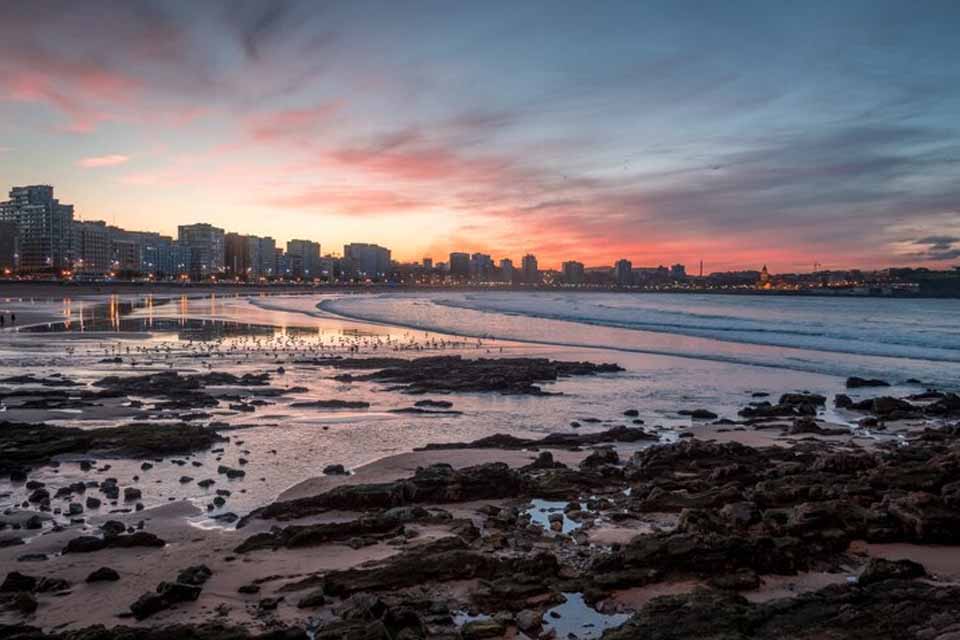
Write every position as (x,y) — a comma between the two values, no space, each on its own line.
(461,618)
(541,510)
(578,620)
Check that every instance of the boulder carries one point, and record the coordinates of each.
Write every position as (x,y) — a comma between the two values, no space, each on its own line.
(878,569)
(103,574)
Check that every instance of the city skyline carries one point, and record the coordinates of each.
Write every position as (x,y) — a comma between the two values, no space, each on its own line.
(663,133)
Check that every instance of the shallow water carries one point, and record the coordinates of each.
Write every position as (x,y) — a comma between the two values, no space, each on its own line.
(575,619)
(287,445)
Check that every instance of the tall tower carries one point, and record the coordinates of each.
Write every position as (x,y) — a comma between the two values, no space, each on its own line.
(764,276)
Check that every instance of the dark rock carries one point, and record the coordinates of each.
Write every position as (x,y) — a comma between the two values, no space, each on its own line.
(89,544)
(854,382)
(890,610)
(545,461)
(453,374)
(553,440)
(230,472)
(879,569)
(312,600)
(480,629)
(28,443)
(334,470)
(331,404)
(387,524)
(269,604)
(25,603)
(195,575)
(434,484)
(436,404)
(842,401)
(441,561)
(166,595)
(600,457)
(809,425)
(103,574)
(699,414)
(16,581)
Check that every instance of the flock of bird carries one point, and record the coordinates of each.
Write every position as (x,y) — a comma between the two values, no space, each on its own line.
(286,345)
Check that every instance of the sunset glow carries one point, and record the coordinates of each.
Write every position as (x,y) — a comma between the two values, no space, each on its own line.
(662,132)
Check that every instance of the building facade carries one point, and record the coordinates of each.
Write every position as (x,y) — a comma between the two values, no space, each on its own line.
(481,267)
(8,247)
(207,249)
(366,260)
(507,272)
(573,272)
(304,258)
(164,258)
(44,228)
(530,270)
(623,272)
(236,255)
(91,250)
(459,265)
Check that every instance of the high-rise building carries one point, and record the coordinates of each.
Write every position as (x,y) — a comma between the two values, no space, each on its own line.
(163,258)
(678,272)
(329,268)
(126,251)
(573,272)
(459,265)
(304,258)
(8,247)
(207,249)
(267,257)
(250,257)
(44,228)
(236,256)
(90,247)
(623,272)
(428,264)
(282,264)
(530,270)
(366,260)
(506,270)
(481,267)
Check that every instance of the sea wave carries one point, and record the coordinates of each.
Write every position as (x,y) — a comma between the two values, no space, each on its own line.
(423,312)
(794,323)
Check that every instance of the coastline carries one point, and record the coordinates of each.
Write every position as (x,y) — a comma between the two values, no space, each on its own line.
(22,288)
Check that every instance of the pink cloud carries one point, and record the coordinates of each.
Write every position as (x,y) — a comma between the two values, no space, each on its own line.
(94,162)
(281,125)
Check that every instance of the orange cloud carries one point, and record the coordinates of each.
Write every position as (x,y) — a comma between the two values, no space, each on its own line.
(103,161)
(352,200)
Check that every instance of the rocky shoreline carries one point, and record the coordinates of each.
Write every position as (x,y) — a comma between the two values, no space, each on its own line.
(508,535)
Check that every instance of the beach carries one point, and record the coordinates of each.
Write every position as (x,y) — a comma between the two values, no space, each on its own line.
(469,464)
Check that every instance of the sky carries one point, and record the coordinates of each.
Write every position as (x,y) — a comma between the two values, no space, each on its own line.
(738,133)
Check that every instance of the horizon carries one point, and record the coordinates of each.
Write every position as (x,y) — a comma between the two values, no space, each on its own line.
(662,134)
